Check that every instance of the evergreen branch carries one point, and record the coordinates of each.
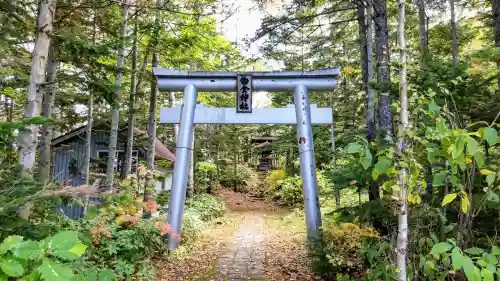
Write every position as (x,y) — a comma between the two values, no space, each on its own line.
(308,19)
(82,6)
(163,8)
(14,15)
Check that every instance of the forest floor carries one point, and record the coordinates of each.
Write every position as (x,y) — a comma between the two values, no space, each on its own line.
(256,240)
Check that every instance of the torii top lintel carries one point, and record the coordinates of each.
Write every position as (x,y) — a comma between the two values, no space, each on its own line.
(315,80)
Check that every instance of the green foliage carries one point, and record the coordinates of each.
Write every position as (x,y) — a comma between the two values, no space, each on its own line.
(446,259)
(199,210)
(192,226)
(28,207)
(344,244)
(363,150)
(291,191)
(243,179)
(378,256)
(127,249)
(163,198)
(206,176)
(208,207)
(274,179)
(50,259)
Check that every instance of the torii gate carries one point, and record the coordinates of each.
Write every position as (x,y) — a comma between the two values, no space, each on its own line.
(300,82)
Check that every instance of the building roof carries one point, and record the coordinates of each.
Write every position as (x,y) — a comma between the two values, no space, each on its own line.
(260,145)
(161,150)
(263,138)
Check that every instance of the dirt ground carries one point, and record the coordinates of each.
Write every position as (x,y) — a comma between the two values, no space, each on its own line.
(256,240)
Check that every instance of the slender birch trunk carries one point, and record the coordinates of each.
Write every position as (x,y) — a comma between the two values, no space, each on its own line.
(402,239)
(171,102)
(360,11)
(496,19)
(88,138)
(90,112)
(8,104)
(48,105)
(385,100)
(371,130)
(454,33)
(150,155)
(28,139)
(115,119)
(127,167)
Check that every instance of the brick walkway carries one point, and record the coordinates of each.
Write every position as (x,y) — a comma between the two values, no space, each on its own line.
(243,258)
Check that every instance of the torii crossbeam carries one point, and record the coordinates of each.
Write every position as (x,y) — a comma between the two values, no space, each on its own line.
(280,116)
(300,83)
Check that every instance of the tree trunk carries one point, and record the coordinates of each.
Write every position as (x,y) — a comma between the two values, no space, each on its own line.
(454,33)
(90,112)
(115,119)
(150,155)
(171,102)
(496,19)
(385,100)
(371,130)
(402,206)
(28,139)
(8,108)
(48,104)
(334,155)
(371,123)
(152,119)
(235,170)
(362,43)
(190,183)
(422,20)
(129,146)
(88,138)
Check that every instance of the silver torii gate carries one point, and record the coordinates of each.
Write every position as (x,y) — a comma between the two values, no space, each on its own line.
(300,82)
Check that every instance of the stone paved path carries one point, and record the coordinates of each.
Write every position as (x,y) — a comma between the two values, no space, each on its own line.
(244,257)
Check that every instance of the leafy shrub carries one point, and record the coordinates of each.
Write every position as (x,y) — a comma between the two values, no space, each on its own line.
(199,210)
(163,199)
(208,207)
(446,260)
(121,239)
(192,225)
(245,178)
(343,246)
(274,179)
(206,176)
(127,248)
(50,259)
(29,208)
(291,191)
(378,255)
